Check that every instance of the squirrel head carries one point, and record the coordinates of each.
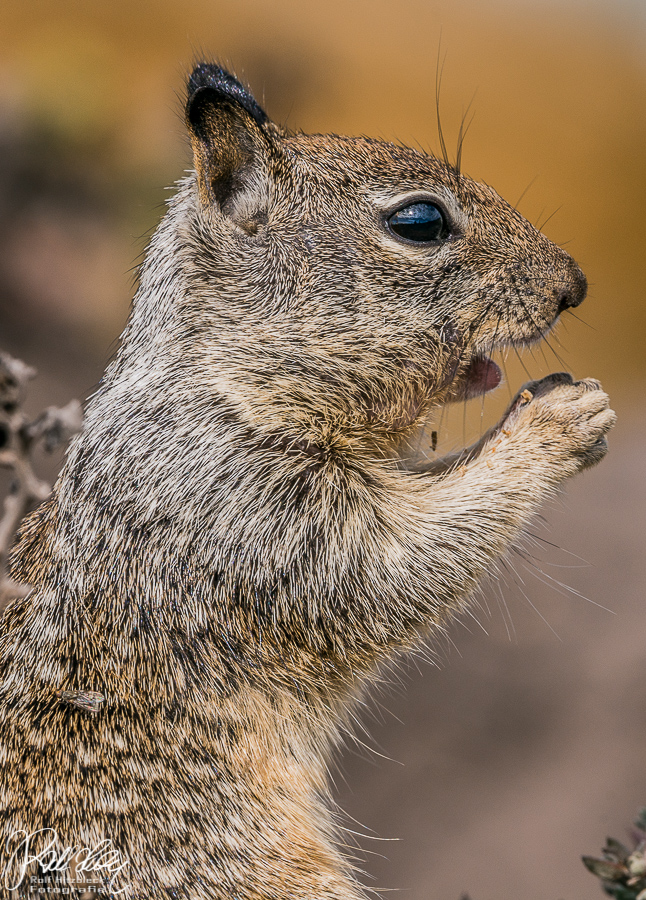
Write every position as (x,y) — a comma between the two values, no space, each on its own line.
(348,282)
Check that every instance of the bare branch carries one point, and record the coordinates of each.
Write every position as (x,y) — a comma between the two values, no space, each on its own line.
(18,438)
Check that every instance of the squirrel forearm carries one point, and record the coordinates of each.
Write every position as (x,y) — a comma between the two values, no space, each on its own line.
(464,518)
(460,523)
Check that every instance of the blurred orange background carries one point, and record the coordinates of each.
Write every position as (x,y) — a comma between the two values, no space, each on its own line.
(523,749)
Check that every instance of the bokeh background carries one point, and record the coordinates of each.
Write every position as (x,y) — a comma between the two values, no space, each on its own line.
(492,771)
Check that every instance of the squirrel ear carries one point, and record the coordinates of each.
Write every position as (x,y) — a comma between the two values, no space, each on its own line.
(227,129)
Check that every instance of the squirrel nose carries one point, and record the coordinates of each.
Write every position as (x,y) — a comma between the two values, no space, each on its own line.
(573,293)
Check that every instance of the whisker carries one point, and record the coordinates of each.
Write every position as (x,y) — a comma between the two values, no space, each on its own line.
(561,587)
(503,360)
(550,217)
(525,191)
(579,319)
(540,539)
(510,628)
(463,133)
(536,609)
(520,360)
(439,72)
(541,331)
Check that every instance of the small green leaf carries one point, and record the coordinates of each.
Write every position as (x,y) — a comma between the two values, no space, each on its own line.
(616,851)
(603,869)
(618,891)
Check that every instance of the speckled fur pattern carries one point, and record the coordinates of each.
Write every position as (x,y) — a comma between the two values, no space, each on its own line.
(237,538)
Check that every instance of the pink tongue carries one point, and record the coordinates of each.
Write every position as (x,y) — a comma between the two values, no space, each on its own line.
(483,375)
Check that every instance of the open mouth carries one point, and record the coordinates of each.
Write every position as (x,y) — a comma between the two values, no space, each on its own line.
(474,372)
(481,376)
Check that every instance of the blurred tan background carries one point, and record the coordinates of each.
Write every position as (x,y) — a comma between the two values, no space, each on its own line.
(524,747)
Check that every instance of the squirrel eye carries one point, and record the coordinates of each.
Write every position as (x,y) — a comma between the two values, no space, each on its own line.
(419,222)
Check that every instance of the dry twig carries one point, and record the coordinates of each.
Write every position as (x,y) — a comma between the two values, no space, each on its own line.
(18,438)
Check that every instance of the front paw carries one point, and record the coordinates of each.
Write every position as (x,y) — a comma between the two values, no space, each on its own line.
(561,423)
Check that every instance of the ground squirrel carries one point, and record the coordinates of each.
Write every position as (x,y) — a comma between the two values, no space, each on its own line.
(238,537)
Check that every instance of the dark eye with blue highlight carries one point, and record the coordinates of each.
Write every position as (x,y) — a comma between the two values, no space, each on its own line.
(422,222)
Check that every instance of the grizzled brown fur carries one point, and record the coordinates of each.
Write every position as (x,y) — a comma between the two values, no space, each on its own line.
(238,537)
